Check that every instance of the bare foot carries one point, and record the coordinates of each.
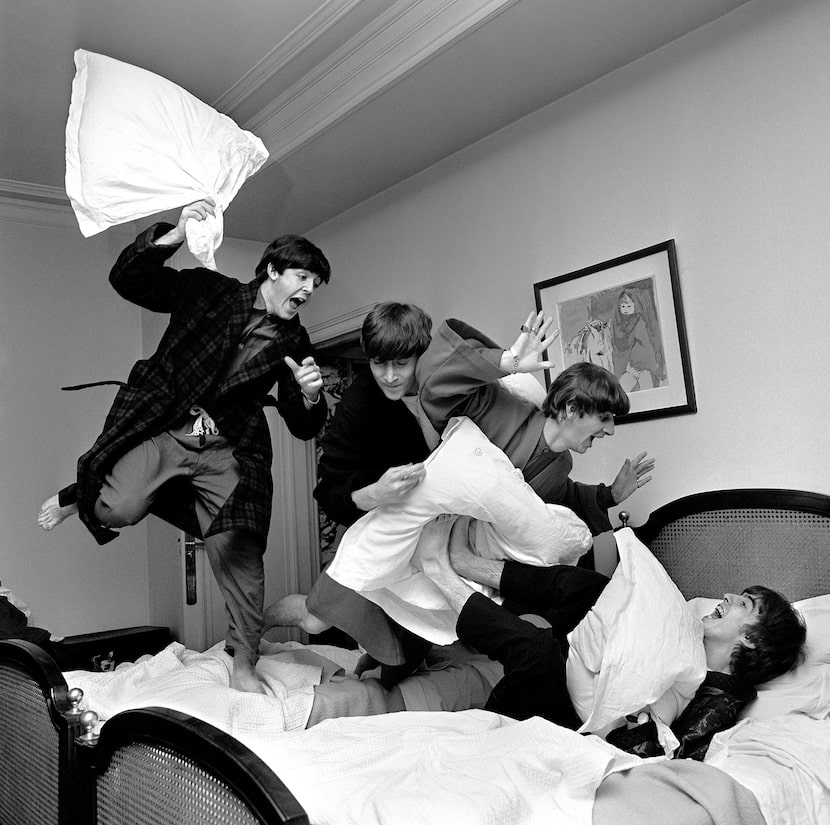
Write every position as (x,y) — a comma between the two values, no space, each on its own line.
(52,514)
(243,676)
(461,556)
(291,611)
(365,663)
(466,563)
(433,543)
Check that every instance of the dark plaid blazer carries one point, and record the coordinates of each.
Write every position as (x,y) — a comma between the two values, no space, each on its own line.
(207,314)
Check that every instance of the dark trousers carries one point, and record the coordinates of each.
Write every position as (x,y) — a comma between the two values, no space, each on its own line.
(534,682)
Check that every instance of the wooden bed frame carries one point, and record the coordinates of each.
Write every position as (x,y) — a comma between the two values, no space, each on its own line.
(42,780)
(164,762)
(188,769)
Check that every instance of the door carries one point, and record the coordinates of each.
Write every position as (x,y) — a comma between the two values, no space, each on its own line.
(203,607)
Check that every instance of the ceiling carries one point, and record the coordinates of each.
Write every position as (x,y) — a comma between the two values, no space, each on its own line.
(349,96)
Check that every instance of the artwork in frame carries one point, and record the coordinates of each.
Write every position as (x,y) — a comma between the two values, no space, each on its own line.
(626,315)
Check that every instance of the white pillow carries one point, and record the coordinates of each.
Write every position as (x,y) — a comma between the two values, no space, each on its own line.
(466,475)
(805,689)
(639,645)
(816,613)
(137,144)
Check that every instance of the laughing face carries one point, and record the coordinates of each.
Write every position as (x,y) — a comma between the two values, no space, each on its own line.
(729,617)
(284,294)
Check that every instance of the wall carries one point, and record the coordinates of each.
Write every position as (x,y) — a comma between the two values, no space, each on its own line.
(718,140)
(61,323)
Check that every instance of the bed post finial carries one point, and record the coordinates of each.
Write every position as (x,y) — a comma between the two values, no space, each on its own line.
(74,696)
(88,720)
(624,517)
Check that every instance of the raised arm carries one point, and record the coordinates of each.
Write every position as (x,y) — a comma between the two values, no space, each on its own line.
(140,276)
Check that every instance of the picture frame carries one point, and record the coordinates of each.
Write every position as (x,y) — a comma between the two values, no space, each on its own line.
(625,314)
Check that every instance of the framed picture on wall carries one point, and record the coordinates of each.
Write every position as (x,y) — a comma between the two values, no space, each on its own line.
(626,315)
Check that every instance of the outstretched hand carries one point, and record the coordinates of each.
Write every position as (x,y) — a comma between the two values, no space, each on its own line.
(633,474)
(308,376)
(197,211)
(531,343)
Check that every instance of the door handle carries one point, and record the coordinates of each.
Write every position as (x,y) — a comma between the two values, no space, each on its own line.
(190,545)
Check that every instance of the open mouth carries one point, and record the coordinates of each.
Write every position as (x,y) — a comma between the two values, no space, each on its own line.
(717,613)
(296,302)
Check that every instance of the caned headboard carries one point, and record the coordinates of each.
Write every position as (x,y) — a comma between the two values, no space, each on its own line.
(729,539)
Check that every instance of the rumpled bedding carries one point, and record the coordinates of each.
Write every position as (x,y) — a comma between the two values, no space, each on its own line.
(138,144)
(416,768)
(199,684)
(675,792)
(466,475)
(784,761)
(471,767)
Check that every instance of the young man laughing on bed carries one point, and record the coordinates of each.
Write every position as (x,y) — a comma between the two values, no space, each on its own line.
(748,639)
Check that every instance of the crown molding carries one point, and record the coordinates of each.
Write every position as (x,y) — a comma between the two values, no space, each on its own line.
(406,36)
(326,17)
(34,204)
(338,325)
(19,190)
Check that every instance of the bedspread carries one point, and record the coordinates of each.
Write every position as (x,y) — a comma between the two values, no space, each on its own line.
(784,761)
(437,768)
(674,792)
(476,767)
(199,684)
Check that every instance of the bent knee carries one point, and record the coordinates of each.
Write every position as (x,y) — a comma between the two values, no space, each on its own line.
(121,513)
(312,625)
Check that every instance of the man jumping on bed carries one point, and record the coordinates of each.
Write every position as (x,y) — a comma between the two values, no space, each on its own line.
(372,454)
(186,438)
(749,638)
(458,375)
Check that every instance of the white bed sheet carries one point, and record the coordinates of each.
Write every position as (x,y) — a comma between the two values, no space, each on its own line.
(417,768)
(784,761)
(199,684)
(464,767)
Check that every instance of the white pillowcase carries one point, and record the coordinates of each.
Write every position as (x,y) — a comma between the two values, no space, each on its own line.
(639,645)
(466,475)
(138,144)
(803,690)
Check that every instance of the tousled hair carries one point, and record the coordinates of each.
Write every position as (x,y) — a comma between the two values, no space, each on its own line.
(589,388)
(293,252)
(392,330)
(777,639)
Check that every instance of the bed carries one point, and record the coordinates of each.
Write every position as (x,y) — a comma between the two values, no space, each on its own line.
(475,767)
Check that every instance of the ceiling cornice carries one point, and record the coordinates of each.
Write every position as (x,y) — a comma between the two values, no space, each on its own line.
(18,190)
(404,37)
(296,42)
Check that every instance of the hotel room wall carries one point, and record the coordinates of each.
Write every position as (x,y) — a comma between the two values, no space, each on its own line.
(718,140)
(60,324)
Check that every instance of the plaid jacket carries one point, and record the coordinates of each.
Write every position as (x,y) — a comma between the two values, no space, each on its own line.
(207,314)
